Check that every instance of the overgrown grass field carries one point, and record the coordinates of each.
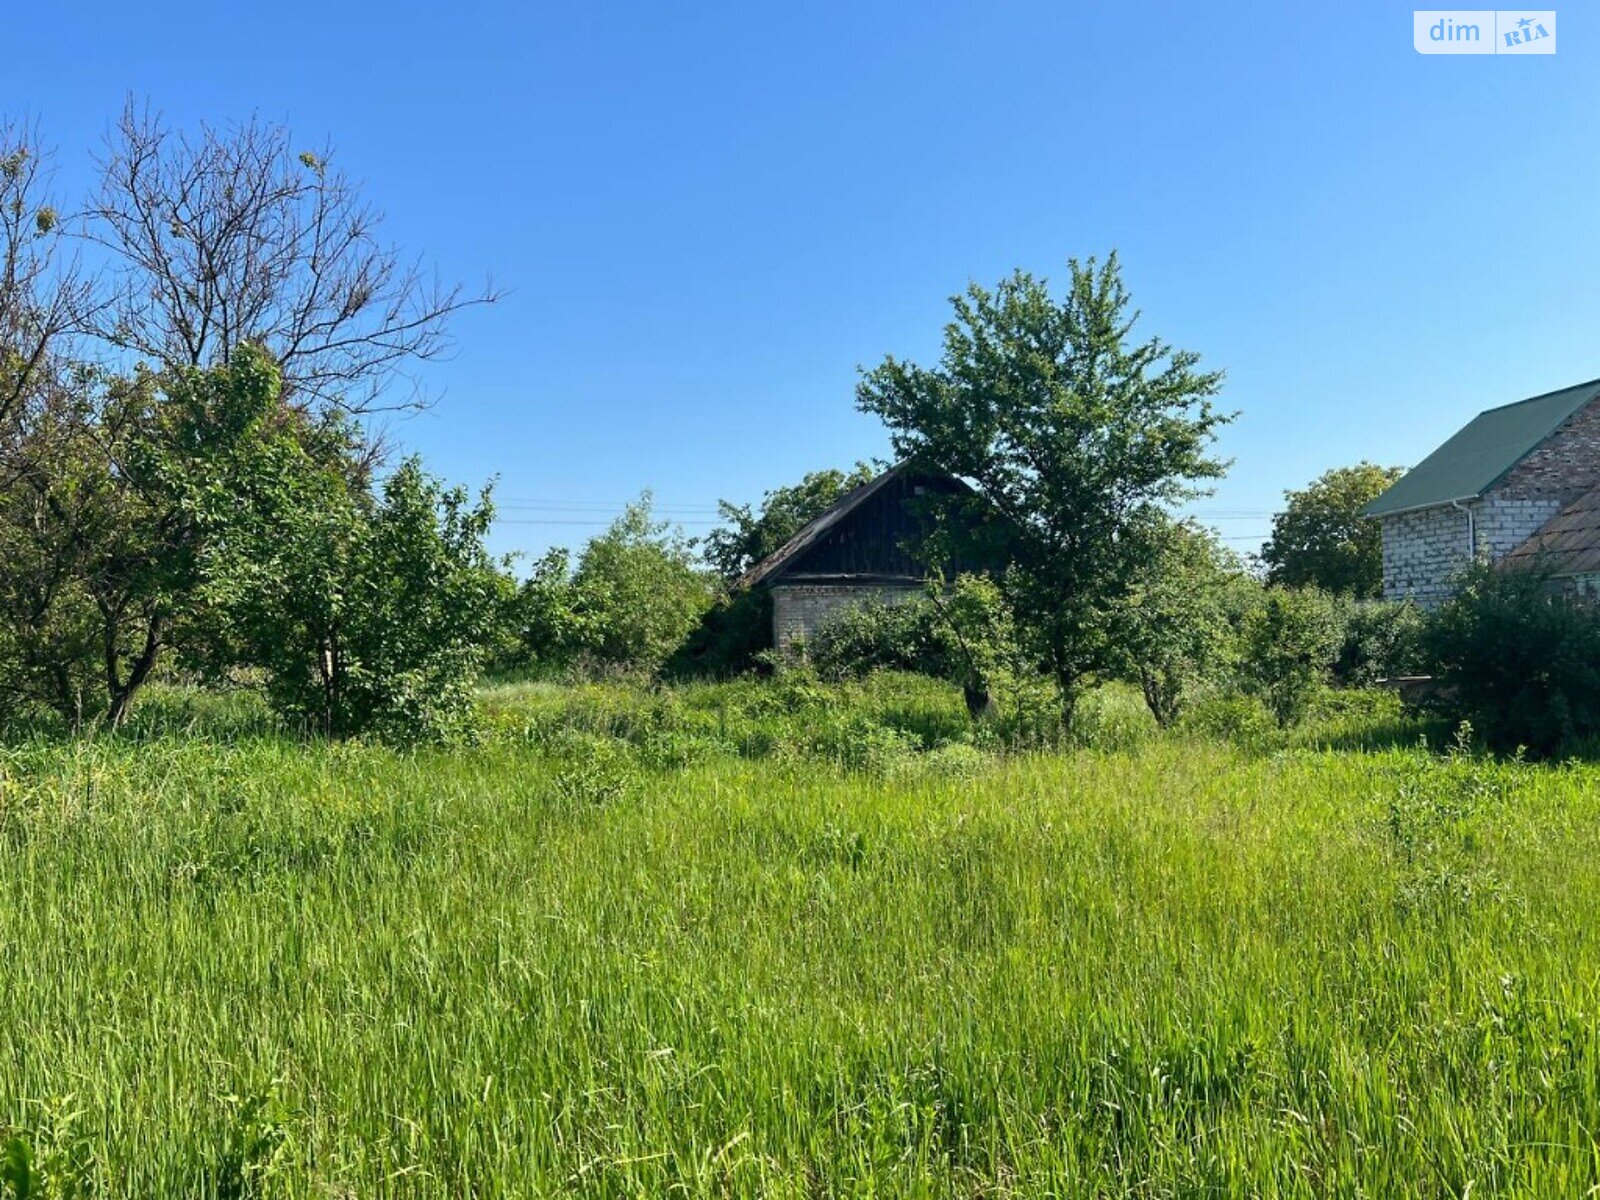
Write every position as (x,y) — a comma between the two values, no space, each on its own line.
(755,941)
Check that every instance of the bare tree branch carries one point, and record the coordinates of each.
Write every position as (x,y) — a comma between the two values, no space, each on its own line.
(40,290)
(229,236)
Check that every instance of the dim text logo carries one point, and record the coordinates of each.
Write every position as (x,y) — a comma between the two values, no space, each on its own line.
(1483,31)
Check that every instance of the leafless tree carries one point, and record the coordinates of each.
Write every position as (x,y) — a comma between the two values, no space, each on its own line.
(229,235)
(41,294)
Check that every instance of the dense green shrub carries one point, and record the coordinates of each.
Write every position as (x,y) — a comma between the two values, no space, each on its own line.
(636,593)
(538,626)
(1288,642)
(731,634)
(1519,659)
(1229,717)
(877,635)
(963,632)
(366,618)
(1177,633)
(626,606)
(1380,640)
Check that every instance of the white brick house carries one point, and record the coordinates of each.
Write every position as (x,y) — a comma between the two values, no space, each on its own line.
(1496,488)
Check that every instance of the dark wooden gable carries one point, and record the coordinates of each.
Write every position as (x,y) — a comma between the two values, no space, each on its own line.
(870,541)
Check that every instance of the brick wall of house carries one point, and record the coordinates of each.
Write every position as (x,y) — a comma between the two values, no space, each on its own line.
(1423,550)
(1563,466)
(1503,522)
(800,609)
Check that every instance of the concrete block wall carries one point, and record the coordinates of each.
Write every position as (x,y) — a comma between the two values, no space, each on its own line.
(800,609)
(1503,522)
(1422,552)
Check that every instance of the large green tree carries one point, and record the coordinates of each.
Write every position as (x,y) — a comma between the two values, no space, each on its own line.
(1077,435)
(58,505)
(120,488)
(250,282)
(637,592)
(197,514)
(1321,539)
(365,607)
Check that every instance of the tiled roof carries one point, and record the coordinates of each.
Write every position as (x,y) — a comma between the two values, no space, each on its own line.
(1569,542)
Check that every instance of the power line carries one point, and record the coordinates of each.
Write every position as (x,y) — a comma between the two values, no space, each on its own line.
(591,523)
(522,502)
(1219,514)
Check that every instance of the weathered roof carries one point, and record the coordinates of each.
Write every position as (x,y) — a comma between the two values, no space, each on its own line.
(1481,452)
(808,534)
(1569,542)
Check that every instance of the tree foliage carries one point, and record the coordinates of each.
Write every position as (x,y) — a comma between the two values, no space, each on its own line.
(1077,437)
(632,599)
(1320,539)
(878,633)
(367,613)
(196,512)
(977,633)
(1380,639)
(637,591)
(122,487)
(1518,658)
(730,637)
(1288,644)
(149,512)
(748,536)
(1177,634)
(543,627)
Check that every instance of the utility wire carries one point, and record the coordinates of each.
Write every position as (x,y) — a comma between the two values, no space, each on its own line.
(601,506)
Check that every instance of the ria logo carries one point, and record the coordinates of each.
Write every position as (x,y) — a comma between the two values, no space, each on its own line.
(1528,31)
(1483,31)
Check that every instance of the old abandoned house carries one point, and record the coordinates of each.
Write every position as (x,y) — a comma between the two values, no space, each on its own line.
(865,545)
(1519,482)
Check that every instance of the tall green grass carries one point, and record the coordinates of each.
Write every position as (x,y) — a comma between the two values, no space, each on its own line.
(571,960)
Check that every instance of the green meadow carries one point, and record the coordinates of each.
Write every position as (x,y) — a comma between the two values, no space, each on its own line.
(762,940)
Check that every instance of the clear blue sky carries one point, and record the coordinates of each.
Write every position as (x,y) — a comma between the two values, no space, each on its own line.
(709,215)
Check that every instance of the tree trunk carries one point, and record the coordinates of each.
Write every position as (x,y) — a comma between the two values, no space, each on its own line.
(1068,686)
(1157,699)
(123,692)
(980,705)
(1067,680)
(68,700)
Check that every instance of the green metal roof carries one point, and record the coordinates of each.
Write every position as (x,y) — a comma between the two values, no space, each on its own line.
(1488,446)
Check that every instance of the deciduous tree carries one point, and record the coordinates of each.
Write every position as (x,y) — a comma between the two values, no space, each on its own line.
(223,237)
(1177,636)
(637,591)
(1289,641)
(1077,436)
(1320,539)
